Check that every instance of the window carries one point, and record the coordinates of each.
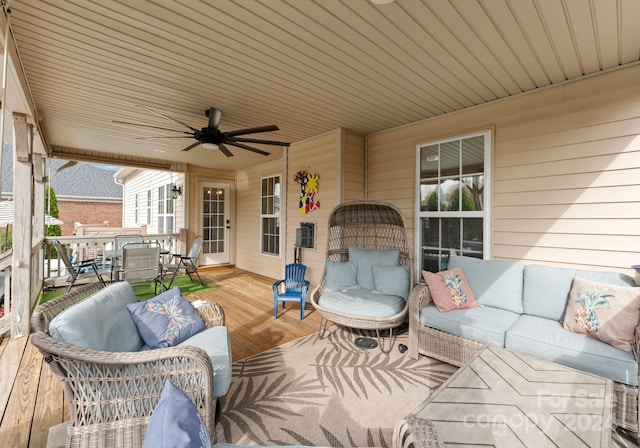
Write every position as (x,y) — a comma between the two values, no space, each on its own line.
(270,215)
(453,196)
(165,209)
(136,208)
(148,207)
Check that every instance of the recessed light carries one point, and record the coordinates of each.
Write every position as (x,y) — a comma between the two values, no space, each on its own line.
(158,150)
(382,2)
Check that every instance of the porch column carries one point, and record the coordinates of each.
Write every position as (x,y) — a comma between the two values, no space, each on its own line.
(22,231)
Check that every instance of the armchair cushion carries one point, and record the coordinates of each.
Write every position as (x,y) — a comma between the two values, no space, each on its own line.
(362,303)
(166,320)
(366,258)
(392,280)
(341,275)
(176,422)
(215,341)
(100,322)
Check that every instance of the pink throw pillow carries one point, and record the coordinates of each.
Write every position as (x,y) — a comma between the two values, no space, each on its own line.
(605,312)
(450,290)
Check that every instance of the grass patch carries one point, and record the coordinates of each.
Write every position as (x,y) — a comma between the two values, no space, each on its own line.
(143,291)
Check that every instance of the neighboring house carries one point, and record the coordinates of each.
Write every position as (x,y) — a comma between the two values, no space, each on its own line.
(86,194)
(148,199)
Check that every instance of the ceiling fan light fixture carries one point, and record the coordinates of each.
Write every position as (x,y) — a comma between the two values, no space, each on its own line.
(209,145)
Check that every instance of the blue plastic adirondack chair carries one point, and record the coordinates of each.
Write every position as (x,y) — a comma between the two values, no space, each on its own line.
(295,288)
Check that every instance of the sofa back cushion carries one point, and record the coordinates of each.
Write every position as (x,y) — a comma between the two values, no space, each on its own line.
(367,258)
(546,289)
(100,322)
(495,283)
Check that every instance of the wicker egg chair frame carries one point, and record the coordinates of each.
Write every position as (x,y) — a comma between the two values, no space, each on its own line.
(367,225)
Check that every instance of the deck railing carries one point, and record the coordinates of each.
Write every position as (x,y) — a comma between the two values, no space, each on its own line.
(48,270)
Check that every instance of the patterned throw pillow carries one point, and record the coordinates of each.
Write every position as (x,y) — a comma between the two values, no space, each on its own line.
(450,290)
(176,422)
(605,312)
(166,320)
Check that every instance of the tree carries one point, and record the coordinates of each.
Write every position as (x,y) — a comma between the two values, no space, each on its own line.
(52,205)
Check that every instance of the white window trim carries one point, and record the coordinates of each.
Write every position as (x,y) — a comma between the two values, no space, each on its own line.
(278,216)
(485,214)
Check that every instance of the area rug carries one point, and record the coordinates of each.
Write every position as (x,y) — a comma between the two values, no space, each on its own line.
(325,393)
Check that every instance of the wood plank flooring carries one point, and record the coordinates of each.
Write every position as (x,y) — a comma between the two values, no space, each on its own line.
(31,397)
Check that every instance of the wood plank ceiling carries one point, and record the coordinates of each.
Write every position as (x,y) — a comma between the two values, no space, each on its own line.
(307,66)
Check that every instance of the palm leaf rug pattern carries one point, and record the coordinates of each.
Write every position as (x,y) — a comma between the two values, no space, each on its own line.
(325,393)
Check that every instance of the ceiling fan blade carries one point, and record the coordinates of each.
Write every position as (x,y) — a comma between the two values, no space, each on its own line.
(148,109)
(167,136)
(268,128)
(191,146)
(214,117)
(255,140)
(249,148)
(149,126)
(225,150)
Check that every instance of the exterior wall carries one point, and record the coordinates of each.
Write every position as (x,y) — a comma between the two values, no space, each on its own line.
(248,228)
(353,168)
(566,176)
(140,182)
(88,212)
(320,155)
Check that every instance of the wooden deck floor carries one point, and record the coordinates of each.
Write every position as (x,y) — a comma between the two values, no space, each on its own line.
(31,397)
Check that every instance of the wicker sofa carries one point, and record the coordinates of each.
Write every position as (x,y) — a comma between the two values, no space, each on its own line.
(113,391)
(521,308)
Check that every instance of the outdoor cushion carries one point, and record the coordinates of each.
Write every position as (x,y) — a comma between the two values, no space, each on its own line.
(215,341)
(450,290)
(176,422)
(362,302)
(546,288)
(166,320)
(495,283)
(391,280)
(547,339)
(340,275)
(100,322)
(483,324)
(366,258)
(606,312)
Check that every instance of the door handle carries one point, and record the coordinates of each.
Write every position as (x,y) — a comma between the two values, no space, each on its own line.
(228,224)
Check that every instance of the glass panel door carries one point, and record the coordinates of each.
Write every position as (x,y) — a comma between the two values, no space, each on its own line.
(214,223)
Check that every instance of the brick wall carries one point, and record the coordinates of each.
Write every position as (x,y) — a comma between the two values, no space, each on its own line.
(87,212)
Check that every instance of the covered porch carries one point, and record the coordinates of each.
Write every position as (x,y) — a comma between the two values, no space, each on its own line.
(31,397)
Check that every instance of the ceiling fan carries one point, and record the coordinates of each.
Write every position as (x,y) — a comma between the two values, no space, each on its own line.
(211,137)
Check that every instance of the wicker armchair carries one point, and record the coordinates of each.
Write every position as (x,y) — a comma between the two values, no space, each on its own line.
(367,225)
(112,394)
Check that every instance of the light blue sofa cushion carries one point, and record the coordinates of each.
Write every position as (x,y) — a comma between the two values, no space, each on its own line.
(216,342)
(176,422)
(341,275)
(483,324)
(366,258)
(495,283)
(392,280)
(546,289)
(547,339)
(362,302)
(100,322)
